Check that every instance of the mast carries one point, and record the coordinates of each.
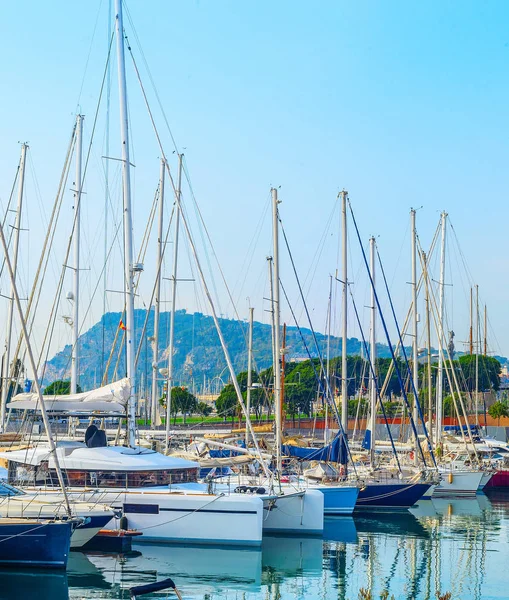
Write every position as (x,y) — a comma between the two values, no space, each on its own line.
(415,360)
(428,347)
(372,352)
(477,344)
(8,336)
(157,298)
(249,369)
(76,266)
(485,331)
(106,181)
(328,387)
(277,343)
(344,363)
(128,226)
(471,335)
(173,300)
(440,381)
(33,366)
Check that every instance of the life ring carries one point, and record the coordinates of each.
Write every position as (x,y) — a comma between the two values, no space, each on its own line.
(411,455)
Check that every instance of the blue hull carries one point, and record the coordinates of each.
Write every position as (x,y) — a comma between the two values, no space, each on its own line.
(35,544)
(390,495)
(338,500)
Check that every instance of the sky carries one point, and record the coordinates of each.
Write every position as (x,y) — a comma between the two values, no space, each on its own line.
(402,104)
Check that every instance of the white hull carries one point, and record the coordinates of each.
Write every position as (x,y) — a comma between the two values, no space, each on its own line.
(164,516)
(51,506)
(296,513)
(485,478)
(458,483)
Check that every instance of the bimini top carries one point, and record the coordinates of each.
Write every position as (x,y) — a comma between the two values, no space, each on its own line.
(111,398)
(74,455)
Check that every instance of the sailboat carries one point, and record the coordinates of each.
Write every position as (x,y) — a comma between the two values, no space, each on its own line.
(158,494)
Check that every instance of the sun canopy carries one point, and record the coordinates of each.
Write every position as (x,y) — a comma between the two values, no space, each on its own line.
(111,398)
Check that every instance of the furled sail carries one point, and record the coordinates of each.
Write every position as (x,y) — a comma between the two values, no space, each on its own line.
(111,398)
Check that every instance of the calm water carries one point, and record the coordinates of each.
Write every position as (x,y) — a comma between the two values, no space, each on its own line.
(461,546)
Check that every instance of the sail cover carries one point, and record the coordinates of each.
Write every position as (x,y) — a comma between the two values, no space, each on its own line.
(336,451)
(111,398)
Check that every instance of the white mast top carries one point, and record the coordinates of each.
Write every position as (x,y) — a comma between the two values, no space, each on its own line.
(128,225)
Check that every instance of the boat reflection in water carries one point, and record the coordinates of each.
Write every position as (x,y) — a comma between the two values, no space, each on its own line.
(442,545)
(33,584)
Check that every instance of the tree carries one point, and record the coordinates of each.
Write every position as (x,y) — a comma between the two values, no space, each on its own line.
(498,410)
(203,409)
(60,388)
(226,403)
(183,401)
(489,372)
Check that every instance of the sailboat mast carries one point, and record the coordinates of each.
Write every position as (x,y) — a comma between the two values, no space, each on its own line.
(415,315)
(440,380)
(10,315)
(372,351)
(33,367)
(157,298)
(128,225)
(471,335)
(329,385)
(76,266)
(277,343)
(428,347)
(477,345)
(249,369)
(485,330)
(106,182)
(344,363)
(173,301)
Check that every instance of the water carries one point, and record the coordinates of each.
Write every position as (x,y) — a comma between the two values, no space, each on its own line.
(456,545)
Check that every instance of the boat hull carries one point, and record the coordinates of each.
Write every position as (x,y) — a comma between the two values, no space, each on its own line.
(499,479)
(189,518)
(458,483)
(390,496)
(35,544)
(298,513)
(338,500)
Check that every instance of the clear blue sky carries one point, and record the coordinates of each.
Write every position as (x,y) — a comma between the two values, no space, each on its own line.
(403,104)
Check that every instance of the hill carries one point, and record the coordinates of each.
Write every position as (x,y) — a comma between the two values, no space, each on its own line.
(198,353)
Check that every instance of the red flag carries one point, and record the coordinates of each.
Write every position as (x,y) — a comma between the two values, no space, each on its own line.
(121,325)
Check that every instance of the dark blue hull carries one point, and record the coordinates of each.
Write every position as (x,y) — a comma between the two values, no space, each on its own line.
(397,495)
(35,544)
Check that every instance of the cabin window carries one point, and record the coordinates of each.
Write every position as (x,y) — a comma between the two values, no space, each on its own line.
(146,509)
(122,479)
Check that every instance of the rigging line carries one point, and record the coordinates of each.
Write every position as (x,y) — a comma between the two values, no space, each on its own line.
(375,378)
(327,391)
(159,267)
(85,169)
(88,56)
(192,194)
(45,256)
(396,366)
(317,347)
(327,397)
(7,210)
(409,372)
(140,258)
